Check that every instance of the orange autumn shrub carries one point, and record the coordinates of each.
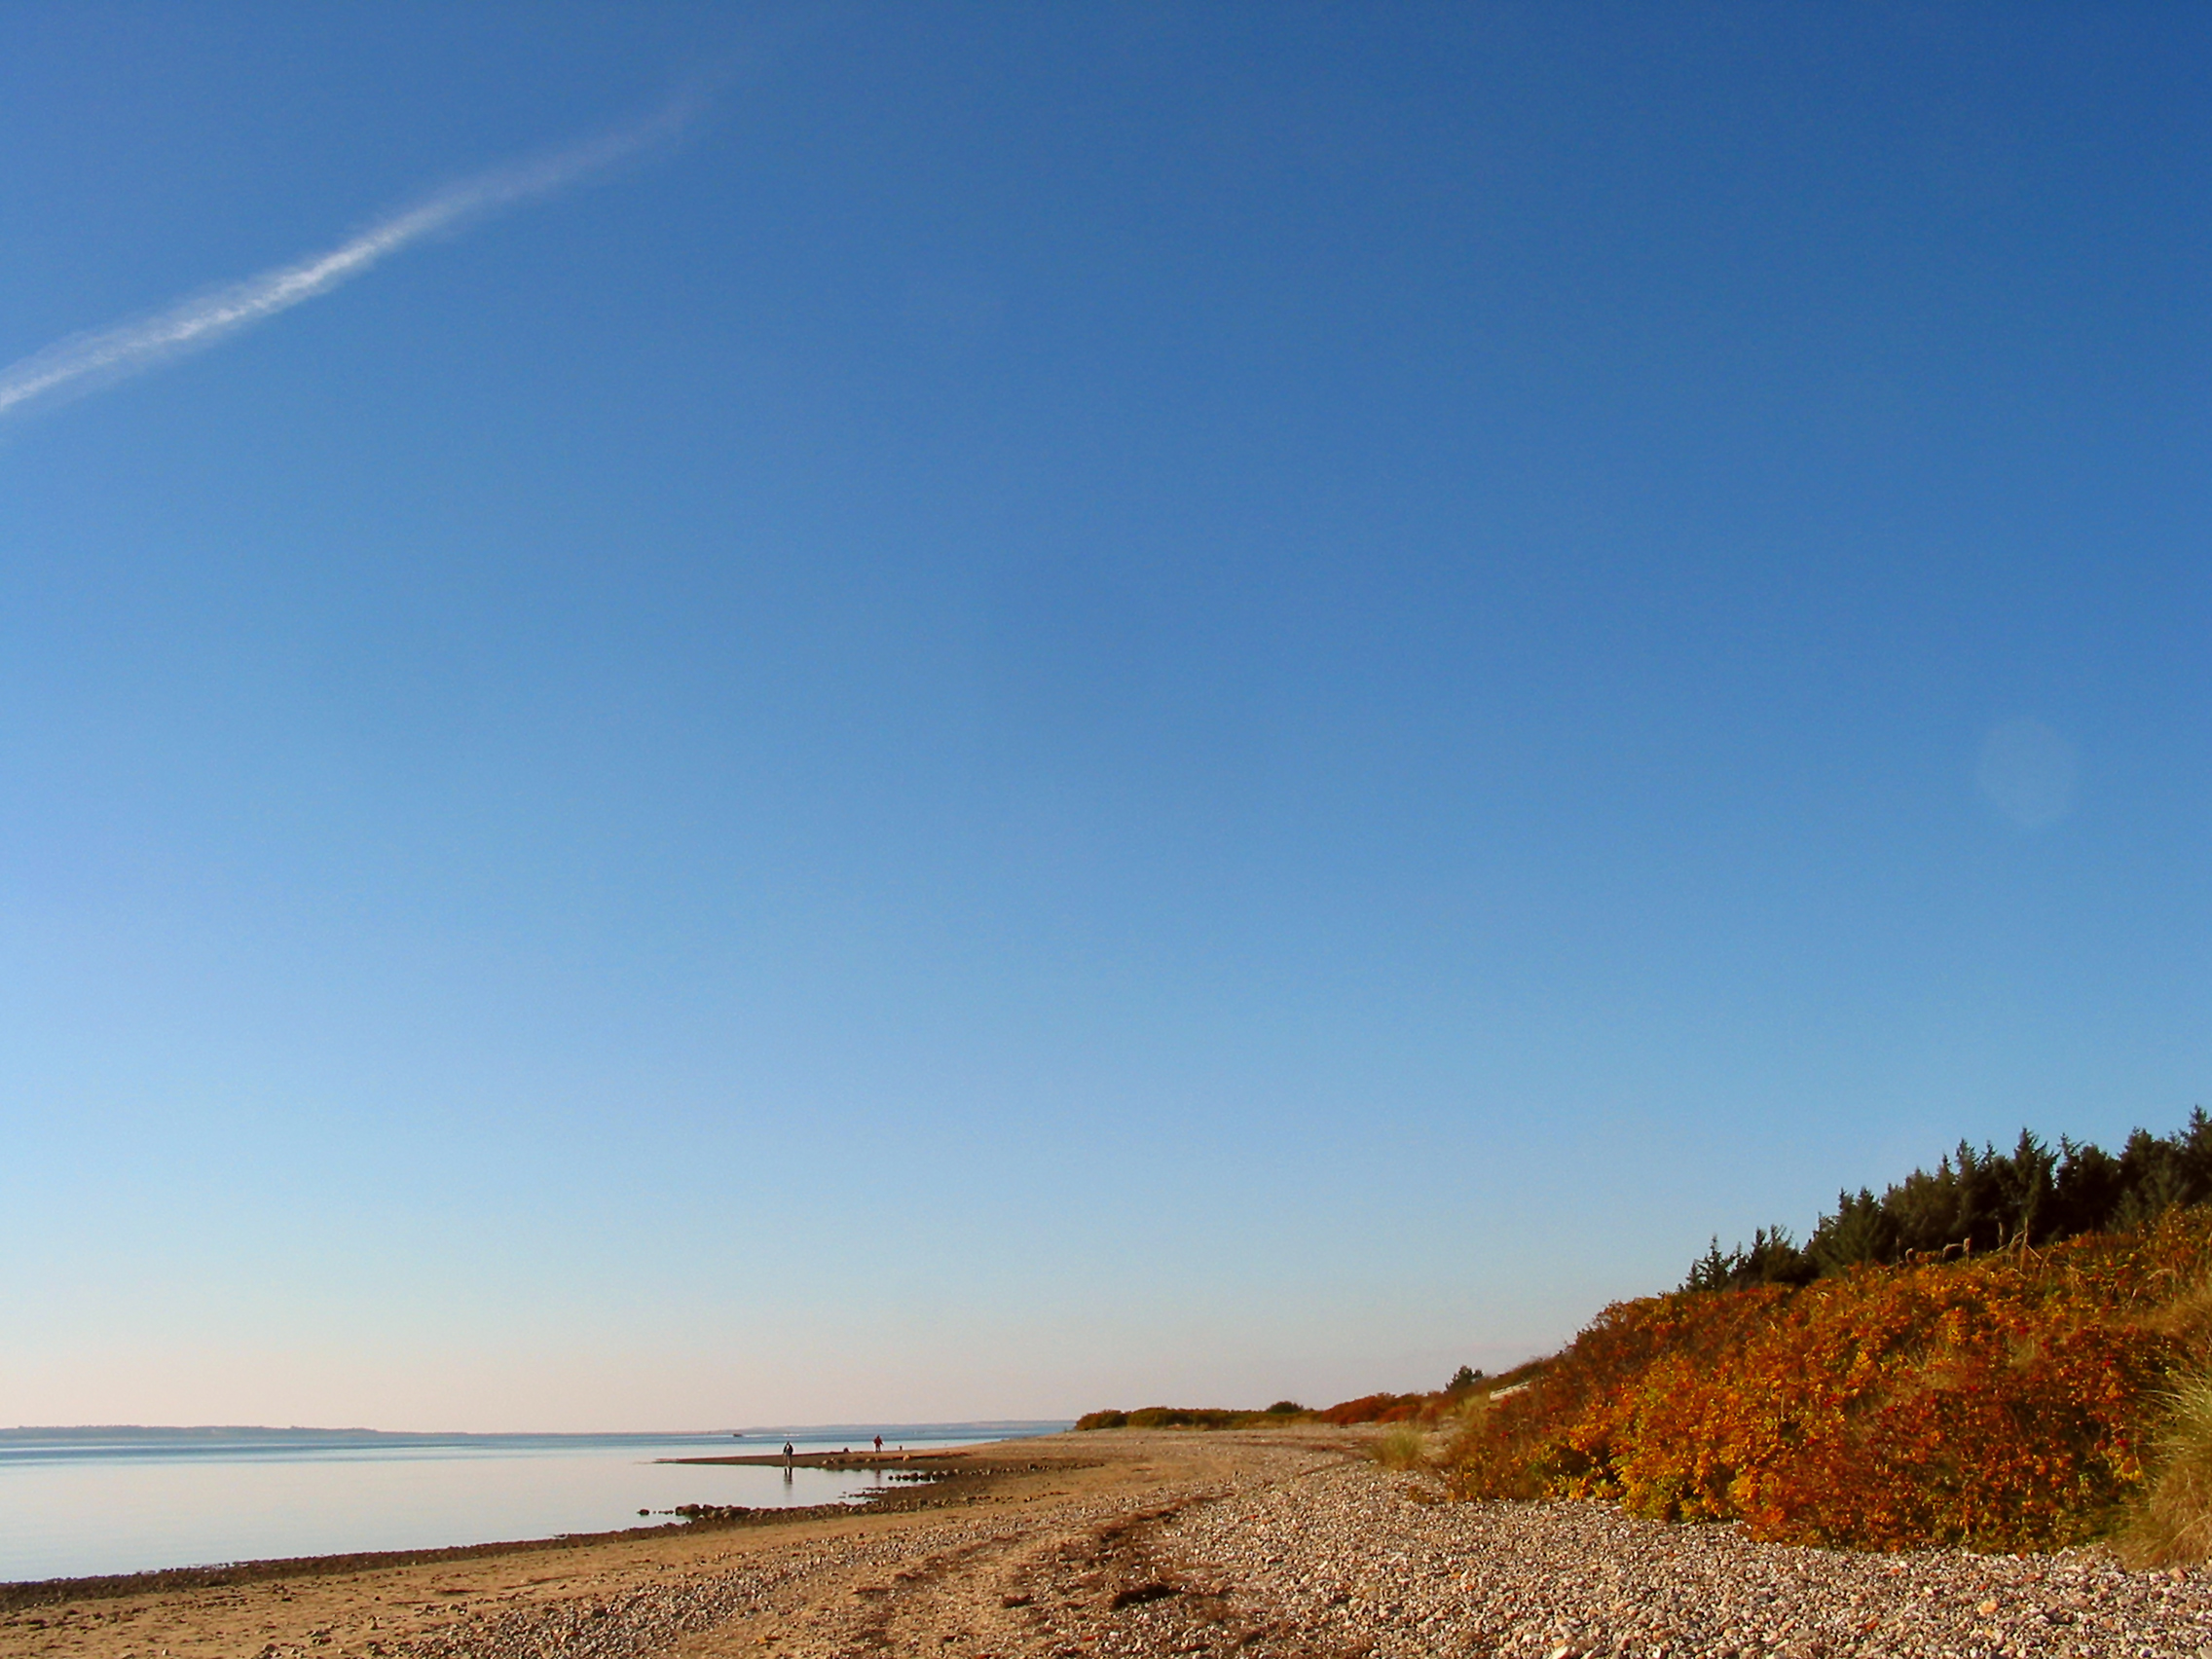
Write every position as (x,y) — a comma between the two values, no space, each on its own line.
(1368,1408)
(1388,1409)
(2001,1402)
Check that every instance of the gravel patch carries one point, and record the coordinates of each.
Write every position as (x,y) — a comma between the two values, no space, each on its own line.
(1350,1560)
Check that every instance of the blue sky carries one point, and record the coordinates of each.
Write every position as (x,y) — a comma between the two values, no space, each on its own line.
(1078,706)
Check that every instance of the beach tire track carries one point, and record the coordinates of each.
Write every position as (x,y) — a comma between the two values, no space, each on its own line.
(1101,1588)
(1053,1584)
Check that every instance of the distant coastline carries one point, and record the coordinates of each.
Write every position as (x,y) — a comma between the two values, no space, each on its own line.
(1020,1426)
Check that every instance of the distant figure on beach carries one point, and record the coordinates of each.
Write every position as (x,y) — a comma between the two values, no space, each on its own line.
(787,1453)
(879,1446)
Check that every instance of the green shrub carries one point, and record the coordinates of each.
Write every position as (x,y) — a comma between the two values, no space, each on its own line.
(1981,1199)
(1193,1417)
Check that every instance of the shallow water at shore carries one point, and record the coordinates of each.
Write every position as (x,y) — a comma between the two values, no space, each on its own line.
(130,1503)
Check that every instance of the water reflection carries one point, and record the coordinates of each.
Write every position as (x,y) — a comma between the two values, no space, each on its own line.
(70,1510)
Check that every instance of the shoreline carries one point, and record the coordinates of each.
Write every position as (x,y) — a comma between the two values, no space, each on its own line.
(101,1587)
(20,1594)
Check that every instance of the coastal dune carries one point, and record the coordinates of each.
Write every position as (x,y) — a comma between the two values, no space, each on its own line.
(1283,1543)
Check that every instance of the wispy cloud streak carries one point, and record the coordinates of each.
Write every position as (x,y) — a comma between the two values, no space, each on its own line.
(96,358)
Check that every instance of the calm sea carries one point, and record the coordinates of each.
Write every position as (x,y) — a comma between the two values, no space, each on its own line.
(76,1502)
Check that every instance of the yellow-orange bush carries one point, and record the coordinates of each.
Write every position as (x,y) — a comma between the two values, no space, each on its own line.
(2004,1402)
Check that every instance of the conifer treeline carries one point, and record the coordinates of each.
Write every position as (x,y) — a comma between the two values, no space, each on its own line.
(1982,1200)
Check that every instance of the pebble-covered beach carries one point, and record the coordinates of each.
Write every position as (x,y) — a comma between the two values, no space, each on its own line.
(1360,1560)
(1275,1546)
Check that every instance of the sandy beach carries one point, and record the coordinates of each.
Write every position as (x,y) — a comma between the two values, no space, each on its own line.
(1274,1543)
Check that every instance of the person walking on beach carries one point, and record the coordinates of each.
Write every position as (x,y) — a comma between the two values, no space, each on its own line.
(879,1446)
(787,1454)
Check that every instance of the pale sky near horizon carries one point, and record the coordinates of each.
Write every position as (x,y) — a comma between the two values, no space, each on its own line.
(1062,706)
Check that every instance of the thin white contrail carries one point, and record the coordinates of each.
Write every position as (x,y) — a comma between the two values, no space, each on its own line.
(105,354)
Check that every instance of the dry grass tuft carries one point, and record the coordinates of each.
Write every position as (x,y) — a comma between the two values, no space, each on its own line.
(1402,1446)
(2188,1319)
(2174,1527)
